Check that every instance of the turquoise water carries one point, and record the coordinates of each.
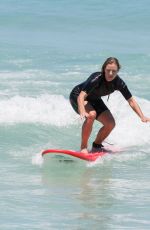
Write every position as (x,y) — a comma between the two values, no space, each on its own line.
(47,47)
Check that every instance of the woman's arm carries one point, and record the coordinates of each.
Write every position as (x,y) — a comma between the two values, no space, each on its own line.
(134,105)
(81,104)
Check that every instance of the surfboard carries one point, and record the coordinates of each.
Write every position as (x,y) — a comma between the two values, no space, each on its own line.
(80,155)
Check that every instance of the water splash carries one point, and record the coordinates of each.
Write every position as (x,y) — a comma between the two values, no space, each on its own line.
(37,159)
(45,109)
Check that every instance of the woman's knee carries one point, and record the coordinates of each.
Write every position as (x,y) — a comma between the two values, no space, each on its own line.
(107,120)
(92,115)
(110,124)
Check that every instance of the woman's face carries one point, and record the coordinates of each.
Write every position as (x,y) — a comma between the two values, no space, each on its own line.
(111,71)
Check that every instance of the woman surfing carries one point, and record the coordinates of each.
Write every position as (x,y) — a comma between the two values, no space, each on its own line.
(86,100)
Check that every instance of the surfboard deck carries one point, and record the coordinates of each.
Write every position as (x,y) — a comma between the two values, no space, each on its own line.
(84,156)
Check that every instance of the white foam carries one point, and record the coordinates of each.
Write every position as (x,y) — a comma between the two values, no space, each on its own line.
(56,110)
(129,130)
(121,157)
(45,109)
(37,159)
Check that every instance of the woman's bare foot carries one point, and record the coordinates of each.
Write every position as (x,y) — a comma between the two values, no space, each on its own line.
(84,150)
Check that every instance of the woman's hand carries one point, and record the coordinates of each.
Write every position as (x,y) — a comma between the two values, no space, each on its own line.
(145,119)
(134,105)
(81,105)
(83,115)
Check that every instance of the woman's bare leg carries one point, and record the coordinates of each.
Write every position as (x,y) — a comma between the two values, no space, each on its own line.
(108,122)
(87,127)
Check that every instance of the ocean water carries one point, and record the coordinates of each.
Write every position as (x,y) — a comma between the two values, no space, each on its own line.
(47,47)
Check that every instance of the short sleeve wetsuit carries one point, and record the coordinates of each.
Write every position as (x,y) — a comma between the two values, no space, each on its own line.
(95,87)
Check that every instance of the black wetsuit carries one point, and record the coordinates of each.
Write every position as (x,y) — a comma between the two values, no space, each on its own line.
(95,87)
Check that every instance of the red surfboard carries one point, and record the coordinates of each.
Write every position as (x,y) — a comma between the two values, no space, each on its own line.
(83,156)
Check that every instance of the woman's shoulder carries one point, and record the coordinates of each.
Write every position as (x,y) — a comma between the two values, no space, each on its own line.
(119,82)
(95,76)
